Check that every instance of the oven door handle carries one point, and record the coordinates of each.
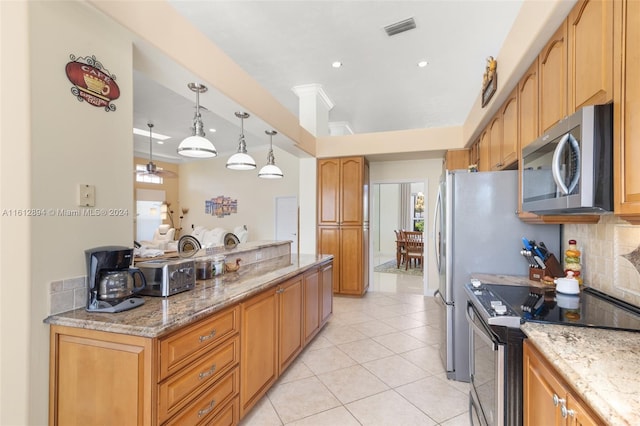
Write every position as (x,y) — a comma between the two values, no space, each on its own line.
(481,331)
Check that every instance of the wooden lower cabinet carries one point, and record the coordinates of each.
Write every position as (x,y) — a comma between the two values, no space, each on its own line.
(210,372)
(273,330)
(259,341)
(312,303)
(290,321)
(97,375)
(348,246)
(547,399)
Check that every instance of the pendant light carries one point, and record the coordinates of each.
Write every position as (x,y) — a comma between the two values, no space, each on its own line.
(196,145)
(151,168)
(270,171)
(241,160)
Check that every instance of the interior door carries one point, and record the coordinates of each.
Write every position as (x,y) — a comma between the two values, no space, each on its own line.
(287,220)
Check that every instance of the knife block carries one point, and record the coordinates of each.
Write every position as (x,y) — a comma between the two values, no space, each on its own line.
(552,269)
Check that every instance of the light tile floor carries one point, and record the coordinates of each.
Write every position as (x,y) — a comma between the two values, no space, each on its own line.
(376,362)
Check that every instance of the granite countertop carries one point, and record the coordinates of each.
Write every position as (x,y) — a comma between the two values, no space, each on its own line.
(603,366)
(508,280)
(160,315)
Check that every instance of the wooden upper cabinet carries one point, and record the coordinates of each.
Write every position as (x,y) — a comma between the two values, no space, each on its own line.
(329,196)
(590,53)
(510,144)
(484,165)
(352,176)
(552,79)
(474,153)
(495,142)
(528,106)
(626,132)
(341,195)
(457,159)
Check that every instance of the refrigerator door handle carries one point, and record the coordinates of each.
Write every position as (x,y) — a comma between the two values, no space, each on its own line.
(437,217)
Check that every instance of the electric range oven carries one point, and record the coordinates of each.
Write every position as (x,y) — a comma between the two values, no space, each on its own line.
(495,313)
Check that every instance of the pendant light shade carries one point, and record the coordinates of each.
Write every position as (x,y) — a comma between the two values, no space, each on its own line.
(270,171)
(241,160)
(196,145)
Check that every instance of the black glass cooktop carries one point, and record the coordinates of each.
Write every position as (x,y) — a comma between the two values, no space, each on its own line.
(589,308)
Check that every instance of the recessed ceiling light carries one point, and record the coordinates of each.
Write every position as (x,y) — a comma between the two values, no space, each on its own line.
(157,136)
(212,130)
(423,64)
(336,64)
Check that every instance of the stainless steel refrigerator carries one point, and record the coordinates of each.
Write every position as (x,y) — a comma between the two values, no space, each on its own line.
(477,230)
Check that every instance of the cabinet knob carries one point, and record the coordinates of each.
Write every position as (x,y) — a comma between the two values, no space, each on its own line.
(557,400)
(566,412)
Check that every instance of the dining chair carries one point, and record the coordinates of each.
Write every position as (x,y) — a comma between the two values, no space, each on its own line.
(400,249)
(414,248)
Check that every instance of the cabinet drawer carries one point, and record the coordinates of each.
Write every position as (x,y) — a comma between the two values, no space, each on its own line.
(174,393)
(210,403)
(228,416)
(183,347)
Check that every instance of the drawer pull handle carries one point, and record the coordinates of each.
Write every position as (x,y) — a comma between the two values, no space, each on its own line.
(207,373)
(207,410)
(280,291)
(203,338)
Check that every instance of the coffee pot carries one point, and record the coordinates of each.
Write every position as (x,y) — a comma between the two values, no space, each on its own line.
(112,283)
(120,284)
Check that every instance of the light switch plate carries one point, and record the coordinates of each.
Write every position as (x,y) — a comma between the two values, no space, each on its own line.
(86,195)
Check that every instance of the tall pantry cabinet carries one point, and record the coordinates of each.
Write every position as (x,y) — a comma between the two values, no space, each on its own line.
(343,221)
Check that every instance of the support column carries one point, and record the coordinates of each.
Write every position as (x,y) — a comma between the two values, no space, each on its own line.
(314,107)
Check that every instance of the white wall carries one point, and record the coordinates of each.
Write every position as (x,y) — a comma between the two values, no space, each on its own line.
(67,142)
(206,179)
(427,171)
(388,217)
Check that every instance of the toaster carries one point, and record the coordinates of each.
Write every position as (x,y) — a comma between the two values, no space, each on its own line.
(167,277)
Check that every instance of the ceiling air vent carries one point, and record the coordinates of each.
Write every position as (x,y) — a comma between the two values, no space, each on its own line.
(400,27)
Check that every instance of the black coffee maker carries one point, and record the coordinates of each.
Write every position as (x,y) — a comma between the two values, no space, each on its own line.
(112,283)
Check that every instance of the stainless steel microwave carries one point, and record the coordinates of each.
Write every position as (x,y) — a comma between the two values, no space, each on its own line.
(569,169)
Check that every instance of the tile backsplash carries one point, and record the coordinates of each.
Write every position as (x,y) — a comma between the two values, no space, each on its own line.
(68,294)
(610,256)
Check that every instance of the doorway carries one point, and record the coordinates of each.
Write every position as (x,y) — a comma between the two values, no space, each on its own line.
(287,220)
(395,206)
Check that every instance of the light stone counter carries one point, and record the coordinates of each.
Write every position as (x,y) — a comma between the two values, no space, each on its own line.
(508,280)
(161,315)
(603,366)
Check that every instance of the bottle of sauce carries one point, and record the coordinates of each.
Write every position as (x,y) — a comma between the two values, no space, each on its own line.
(572,261)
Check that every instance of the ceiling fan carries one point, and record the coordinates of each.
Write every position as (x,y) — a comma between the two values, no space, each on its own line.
(151,168)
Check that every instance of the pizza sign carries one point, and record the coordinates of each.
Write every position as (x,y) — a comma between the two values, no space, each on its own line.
(92,83)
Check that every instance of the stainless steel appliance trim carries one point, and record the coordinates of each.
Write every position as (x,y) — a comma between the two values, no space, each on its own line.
(500,387)
(437,219)
(499,361)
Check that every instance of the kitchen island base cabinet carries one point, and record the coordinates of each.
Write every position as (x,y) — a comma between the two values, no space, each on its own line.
(211,370)
(97,375)
(548,399)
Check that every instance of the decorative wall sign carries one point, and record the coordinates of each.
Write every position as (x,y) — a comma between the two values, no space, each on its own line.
(489,80)
(92,82)
(220,206)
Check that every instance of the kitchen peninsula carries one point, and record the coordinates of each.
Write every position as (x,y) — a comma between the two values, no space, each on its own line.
(205,355)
